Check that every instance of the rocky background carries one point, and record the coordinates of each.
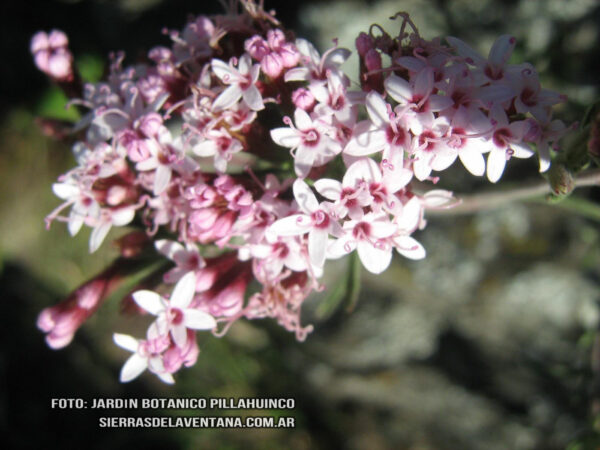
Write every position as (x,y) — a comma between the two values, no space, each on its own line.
(491,342)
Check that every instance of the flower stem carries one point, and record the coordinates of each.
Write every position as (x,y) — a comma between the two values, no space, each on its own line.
(490,200)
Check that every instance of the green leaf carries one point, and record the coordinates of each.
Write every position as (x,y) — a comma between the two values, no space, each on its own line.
(346,290)
(53,105)
(333,299)
(90,67)
(353,282)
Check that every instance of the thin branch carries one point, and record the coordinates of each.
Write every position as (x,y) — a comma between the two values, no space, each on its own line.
(491,200)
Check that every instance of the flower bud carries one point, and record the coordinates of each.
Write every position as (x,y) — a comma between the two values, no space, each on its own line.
(52,56)
(256,47)
(561,180)
(275,38)
(289,55)
(272,65)
(303,99)
(363,43)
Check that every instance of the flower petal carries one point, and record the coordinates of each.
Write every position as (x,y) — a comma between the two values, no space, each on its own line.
(377,109)
(198,320)
(291,225)
(125,341)
(409,247)
(304,197)
(168,248)
(228,97)
(375,260)
(184,291)
(473,161)
(149,301)
(501,50)
(328,188)
(253,98)
(286,137)
(133,367)
(179,334)
(399,89)
(98,234)
(495,165)
(222,69)
(162,177)
(317,246)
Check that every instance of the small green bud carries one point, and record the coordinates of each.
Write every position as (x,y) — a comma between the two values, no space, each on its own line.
(561,180)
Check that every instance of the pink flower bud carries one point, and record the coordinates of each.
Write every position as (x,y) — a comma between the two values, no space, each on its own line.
(303,99)
(272,65)
(289,55)
(152,87)
(60,65)
(52,56)
(364,43)
(39,42)
(275,38)
(257,47)
(57,39)
(61,321)
(373,60)
(226,297)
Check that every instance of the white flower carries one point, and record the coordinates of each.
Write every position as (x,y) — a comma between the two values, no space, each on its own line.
(147,354)
(315,221)
(313,146)
(241,81)
(174,316)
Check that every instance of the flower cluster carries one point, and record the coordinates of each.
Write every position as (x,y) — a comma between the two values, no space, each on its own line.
(255,159)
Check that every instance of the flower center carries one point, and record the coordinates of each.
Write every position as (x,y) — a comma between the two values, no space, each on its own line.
(311,137)
(175,316)
(320,219)
(395,135)
(427,141)
(362,230)
(502,137)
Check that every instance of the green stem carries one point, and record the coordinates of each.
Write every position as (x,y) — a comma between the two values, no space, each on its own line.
(490,200)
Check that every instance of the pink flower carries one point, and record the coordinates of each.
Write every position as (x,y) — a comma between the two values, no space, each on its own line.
(106,220)
(316,66)
(316,221)
(174,316)
(493,68)
(241,81)
(506,141)
(418,97)
(167,155)
(369,236)
(147,354)
(387,131)
(61,321)
(187,259)
(221,145)
(310,139)
(52,56)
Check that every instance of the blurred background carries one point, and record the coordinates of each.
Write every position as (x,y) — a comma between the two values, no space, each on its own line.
(491,342)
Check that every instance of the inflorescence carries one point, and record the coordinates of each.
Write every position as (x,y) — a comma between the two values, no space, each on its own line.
(248,159)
